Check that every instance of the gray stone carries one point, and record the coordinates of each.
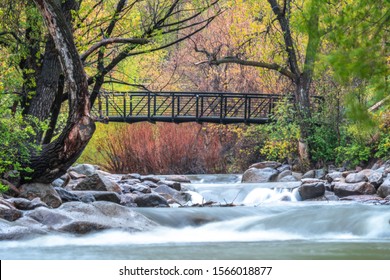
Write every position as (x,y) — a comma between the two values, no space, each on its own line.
(152,178)
(254,175)
(297,175)
(74,175)
(356,178)
(171,184)
(25,204)
(44,191)
(266,164)
(320,173)
(57,183)
(178,178)
(85,169)
(328,196)
(87,197)
(363,198)
(8,211)
(130,181)
(374,177)
(311,190)
(284,174)
(131,176)
(140,188)
(309,174)
(80,218)
(99,196)
(97,182)
(66,196)
(330,177)
(347,189)
(128,200)
(150,184)
(289,178)
(384,189)
(151,200)
(19,229)
(283,168)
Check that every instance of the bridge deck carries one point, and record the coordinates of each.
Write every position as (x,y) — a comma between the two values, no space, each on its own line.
(225,108)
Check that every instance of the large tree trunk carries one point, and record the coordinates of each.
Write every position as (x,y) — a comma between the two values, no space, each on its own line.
(56,157)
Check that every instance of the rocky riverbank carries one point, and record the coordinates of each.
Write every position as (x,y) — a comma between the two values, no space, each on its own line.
(87,199)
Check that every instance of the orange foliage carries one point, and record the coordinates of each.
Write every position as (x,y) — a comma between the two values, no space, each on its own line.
(162,148)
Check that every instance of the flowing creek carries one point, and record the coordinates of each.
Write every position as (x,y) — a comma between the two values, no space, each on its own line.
(270,223)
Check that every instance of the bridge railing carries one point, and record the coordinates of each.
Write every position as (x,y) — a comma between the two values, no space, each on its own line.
(187,107)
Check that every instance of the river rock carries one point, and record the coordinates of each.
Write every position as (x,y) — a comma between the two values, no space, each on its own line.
(266,164)
(152,178)
(74,175)
(8,211)
(25,204)
(284,174)
(21,228)
(150,184)
(384,189)
(12,190)
(99,196)
(171,184)
(140,188)
(346,189)
(289,178)
(128,200)
(85,169)
(330,177)
(66,196)
(255,175)
(328,196)
(283,168)
(58,183)
(309,174)
(44,191)
(151,200)
(80,218)
(87,197)
(131,176)
(130,181)
(311,190)
(97,182)
(363,198)
(356,178)
(170,193)
(178,178)
(374,177)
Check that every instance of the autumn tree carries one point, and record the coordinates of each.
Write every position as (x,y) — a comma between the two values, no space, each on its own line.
(86,42)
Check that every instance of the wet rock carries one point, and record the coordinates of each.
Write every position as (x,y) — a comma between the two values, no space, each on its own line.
(171,184)
(346,173)
(297,175)
(170,193)
(21,228)
(140,188)
(255,175)
(151,200)
(309,174)
(320,173)
(74,175)
(80,218)
(85,169)
(12,190)
(152,178)
(25,204)
(44,191)
(131,176)
(99,196)
(266,164)
(150,184)
(284,167)
(356,178)
(178,178)
(384,189)
(58,183)
(363,198)
(130,181)
(374,177)
(97,182)
(328,196)
(66,196)
(330,177)
(284,174)
(8,211)
(311,190)
(346,189)
(87,197)
(128,200)
(289,178)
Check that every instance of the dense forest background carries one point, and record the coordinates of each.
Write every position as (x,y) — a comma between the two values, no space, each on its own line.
(335,49)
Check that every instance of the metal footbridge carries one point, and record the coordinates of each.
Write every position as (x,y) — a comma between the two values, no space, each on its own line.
(179,107)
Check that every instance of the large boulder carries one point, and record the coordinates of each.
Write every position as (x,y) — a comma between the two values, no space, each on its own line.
(97,182)
(255,175)
(25,204)
(78,217)
(330,177)
(266,164)
(85,169)
(22,228)
(44,191)
(356,178)
(311,190)
(66,195)
(8,211)
(374,177)
(151,200)
(98,196)
(384,189)
(346,189)
(283,174)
